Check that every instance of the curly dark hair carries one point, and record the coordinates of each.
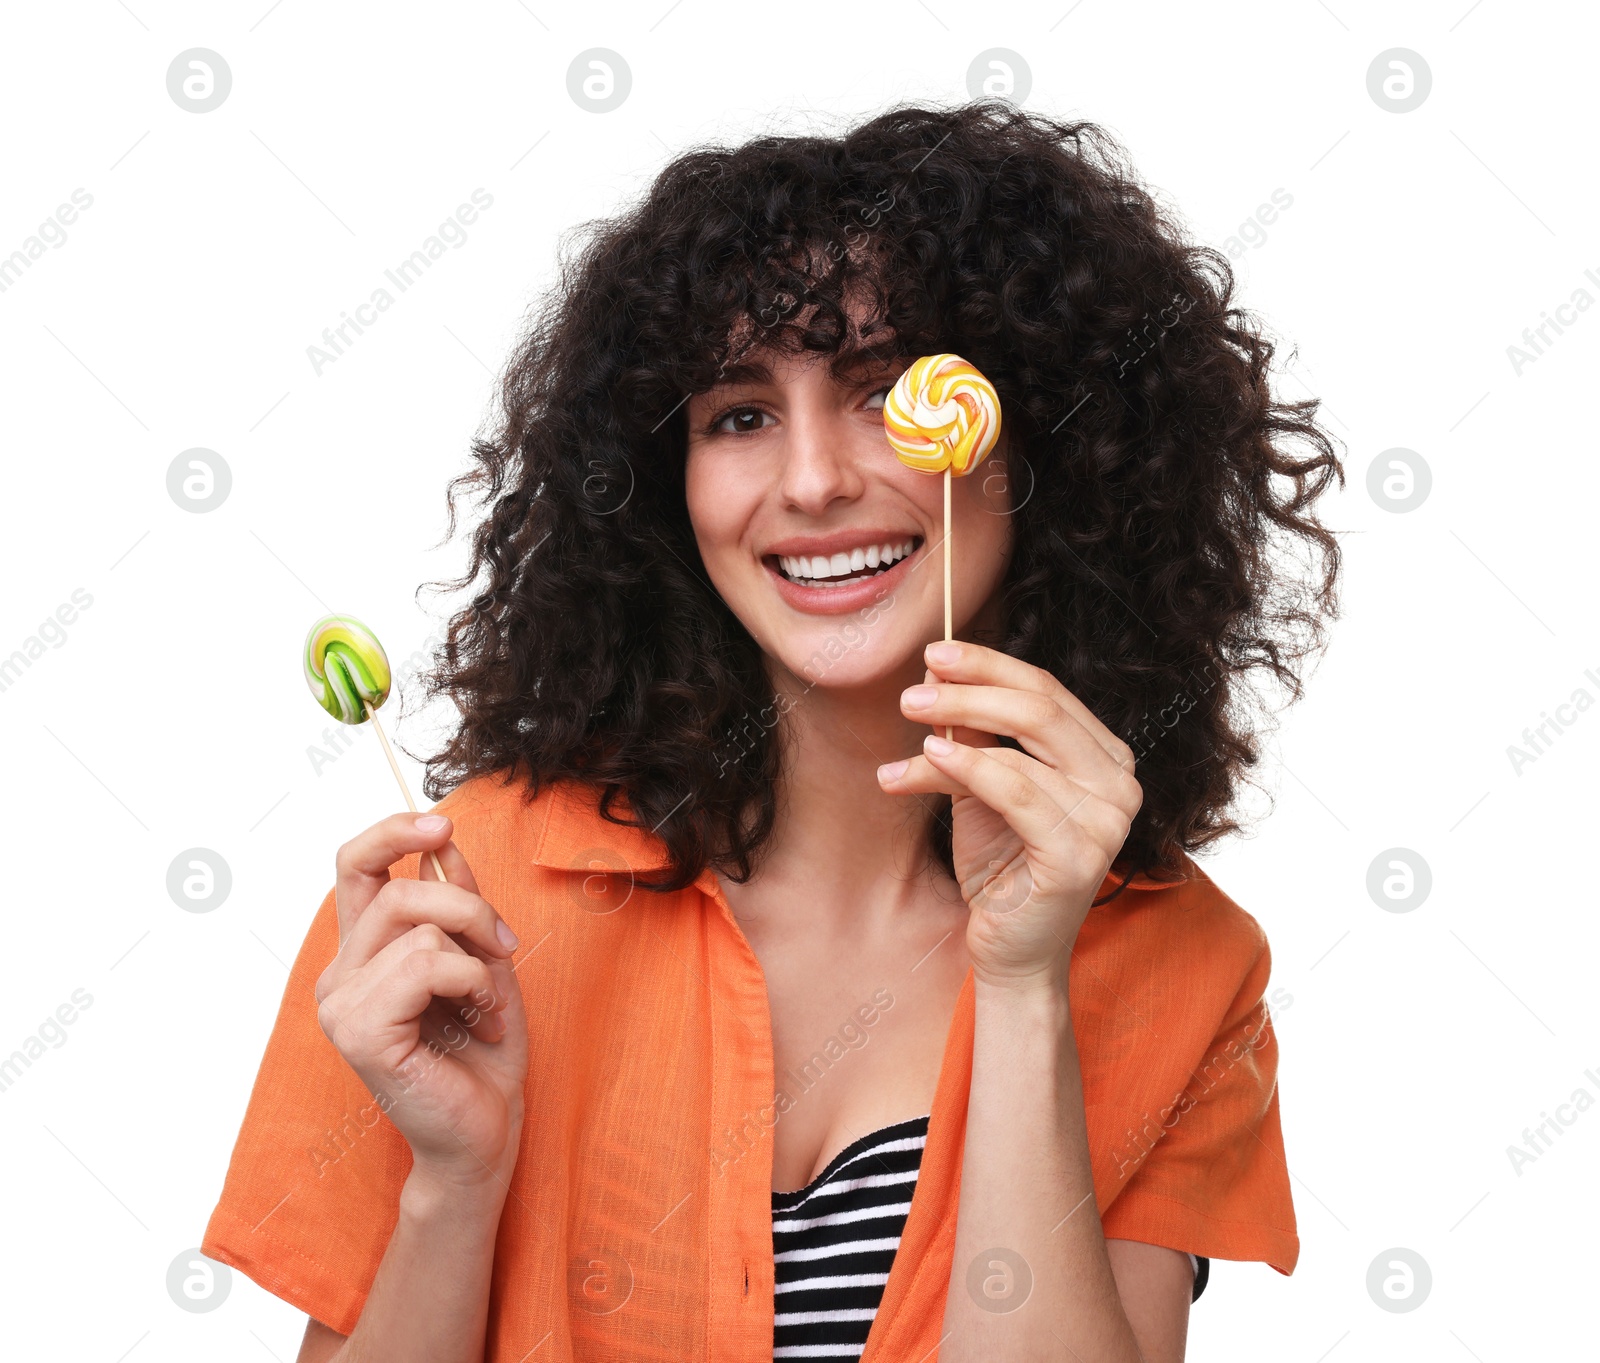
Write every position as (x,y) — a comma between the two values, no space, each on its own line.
(1165,543)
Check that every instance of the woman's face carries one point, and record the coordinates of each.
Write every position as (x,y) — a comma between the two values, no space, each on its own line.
(825,545)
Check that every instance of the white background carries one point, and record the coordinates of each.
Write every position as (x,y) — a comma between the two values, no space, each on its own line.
(1417,1046)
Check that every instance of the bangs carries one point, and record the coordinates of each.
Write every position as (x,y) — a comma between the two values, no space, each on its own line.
(784,266)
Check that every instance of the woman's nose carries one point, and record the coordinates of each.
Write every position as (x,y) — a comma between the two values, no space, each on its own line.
(820,461)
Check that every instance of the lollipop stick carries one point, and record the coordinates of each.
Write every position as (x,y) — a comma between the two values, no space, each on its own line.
(405,790)
(949,732)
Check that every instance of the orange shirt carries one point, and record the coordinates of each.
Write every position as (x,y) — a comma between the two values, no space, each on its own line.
(638,1224)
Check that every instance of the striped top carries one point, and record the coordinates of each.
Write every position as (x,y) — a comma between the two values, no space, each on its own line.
(834,1241)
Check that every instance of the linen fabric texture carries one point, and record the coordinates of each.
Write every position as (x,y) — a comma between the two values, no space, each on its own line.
(638,1223)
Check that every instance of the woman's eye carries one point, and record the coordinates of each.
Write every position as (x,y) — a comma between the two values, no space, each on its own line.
(741,421)
(876,399)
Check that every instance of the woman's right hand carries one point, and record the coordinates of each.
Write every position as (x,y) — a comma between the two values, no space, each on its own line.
(423,1003)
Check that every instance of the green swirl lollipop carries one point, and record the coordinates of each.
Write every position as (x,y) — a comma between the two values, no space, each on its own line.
(348,673)
(346,668)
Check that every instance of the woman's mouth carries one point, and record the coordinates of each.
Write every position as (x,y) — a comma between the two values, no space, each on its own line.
(834,570)
(834,583)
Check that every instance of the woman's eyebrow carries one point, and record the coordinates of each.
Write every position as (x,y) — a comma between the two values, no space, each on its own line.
(858,366)
(743,375)
(855,366)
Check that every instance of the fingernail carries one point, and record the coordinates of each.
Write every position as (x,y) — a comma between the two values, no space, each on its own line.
(939,747)
(499,1025)
(943,653)
(919,697)
(892,771)
(508,939)
(432,823)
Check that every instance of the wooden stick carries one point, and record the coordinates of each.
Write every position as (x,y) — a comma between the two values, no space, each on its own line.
(394,766)
(949,732)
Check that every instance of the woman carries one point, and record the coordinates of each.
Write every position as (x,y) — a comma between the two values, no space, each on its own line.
(981,1058)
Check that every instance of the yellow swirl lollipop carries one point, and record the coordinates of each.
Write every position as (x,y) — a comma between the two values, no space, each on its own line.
(348,673)
(943,416)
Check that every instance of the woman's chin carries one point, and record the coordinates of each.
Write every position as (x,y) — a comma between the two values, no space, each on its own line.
(855,657)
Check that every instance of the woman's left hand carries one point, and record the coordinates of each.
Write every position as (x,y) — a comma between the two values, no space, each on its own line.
(1034,831)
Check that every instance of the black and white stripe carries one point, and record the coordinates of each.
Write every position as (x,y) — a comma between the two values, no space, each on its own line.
(834,1242)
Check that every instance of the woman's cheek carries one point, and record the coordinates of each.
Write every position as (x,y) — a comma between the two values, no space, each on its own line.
(718,515)
(705,512)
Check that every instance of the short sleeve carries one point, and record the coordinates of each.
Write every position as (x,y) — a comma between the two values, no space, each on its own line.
(312,1192)
(1214,1182)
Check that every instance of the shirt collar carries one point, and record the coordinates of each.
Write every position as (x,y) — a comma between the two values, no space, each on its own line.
(575,837)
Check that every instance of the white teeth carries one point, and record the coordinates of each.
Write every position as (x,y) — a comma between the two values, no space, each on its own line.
(817,569)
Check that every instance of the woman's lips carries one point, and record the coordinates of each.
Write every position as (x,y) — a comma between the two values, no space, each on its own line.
(842,600)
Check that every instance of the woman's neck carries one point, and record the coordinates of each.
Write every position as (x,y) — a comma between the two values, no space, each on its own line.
(842,845)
